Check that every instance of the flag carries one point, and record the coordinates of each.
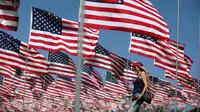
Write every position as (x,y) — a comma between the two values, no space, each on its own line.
(88,77)
(7,71)
(65,82)
(173,45)
(46,81)
(112,84)
(126,15)
(61,64)
(18,73)
(97,76)
(186,82)
(128,73)
(13,53)
(52,33)
(9,14)
(1,80)
(107,60)
(162,51)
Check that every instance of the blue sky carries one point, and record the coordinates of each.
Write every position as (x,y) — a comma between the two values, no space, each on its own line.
(118,42)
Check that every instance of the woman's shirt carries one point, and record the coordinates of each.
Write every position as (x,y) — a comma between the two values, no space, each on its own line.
(138,85)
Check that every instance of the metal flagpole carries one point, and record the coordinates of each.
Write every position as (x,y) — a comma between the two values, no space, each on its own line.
(126,74)
(27,61)
(199,62)
(79,57)
(177,39)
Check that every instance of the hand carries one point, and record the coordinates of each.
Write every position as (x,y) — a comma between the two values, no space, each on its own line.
(140,96)
(129,95)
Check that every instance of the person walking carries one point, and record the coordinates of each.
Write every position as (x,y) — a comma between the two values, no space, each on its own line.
(140,86)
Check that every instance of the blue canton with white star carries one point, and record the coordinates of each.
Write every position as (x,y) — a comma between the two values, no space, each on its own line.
(46,21)
(110,78)
(58,57)
(18,73)
(87,69)
(1,80)
(100,50)
(8,42)
(107,1)
(66,78)
(154,40)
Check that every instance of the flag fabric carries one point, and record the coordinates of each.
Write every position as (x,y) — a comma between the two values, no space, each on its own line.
(88,77)
(112,84)
(188,61)
(126,15)
(66,83)
(46,81)
(173,45)
(7,71)
(13,53)
(107,60)
(9,14)
(52,33)
(143,45)
(186,82)
(128,73)
(96,75)
(18,73)
(61,64)
(162,51)
(1,80)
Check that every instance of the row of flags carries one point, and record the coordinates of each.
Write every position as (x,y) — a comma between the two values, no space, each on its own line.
(149,37)
(43,87)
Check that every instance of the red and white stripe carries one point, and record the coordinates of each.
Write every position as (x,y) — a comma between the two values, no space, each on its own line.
(112,63)
(36,62)
(131,15)
(62,69)
(9,14)
(67,41)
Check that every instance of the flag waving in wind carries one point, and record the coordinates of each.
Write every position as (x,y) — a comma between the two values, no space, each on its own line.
(13,53)
(138,16)
(52,33)
(9,14)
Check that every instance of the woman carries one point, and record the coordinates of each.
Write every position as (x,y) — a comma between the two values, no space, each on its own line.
(140,86)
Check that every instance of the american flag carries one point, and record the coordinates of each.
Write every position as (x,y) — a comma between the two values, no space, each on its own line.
(107,60)
(9,14)
(162,88)
(18,73)
(1,80)
(7,71)
(61,64)
(126,15)
(172,76)
(13,53)
(186,82)
(52,33)
(128,73)
(88,77)
(97,76)
(188,61)
(46,81)
(161,51)
(66,83)
(112,84)
(173,45)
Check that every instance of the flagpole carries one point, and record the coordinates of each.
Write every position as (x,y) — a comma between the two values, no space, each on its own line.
(27,60)
(126,74)
(199,62)
(177,39)
(79,58)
